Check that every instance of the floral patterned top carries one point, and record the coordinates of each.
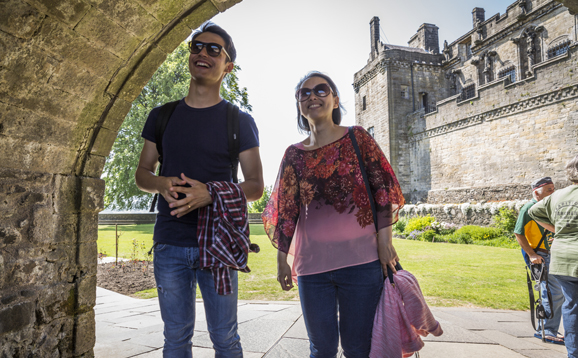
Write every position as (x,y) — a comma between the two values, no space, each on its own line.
(319,212)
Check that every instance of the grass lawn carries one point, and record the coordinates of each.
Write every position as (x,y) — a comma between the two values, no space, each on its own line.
(449,274)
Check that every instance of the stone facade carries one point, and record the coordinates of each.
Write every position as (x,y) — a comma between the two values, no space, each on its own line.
(69,71)
(483,117)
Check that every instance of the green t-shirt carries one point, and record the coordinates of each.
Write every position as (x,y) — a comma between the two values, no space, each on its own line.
(528,227)
(561,210)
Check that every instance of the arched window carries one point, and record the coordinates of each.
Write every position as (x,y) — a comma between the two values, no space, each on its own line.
(508,70)
(559,46)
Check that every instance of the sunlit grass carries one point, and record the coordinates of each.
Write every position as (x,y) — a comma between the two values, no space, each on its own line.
(449,274)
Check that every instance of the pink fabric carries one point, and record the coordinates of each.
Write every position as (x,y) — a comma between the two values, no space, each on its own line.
(401,317)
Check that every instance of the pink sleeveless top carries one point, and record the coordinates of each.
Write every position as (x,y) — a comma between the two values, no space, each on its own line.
(319,212)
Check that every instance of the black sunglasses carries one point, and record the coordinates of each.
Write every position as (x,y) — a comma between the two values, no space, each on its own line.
(213,49)
(321,90)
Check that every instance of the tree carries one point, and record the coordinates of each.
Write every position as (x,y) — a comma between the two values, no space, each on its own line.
(169,83)
(259,205)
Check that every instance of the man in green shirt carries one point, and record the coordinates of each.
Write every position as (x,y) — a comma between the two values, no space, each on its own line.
(534,242)
(559,214)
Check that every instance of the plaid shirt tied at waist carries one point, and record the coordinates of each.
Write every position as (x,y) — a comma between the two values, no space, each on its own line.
(223,234)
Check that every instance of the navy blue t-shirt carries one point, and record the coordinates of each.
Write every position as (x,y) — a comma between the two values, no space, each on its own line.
(195,143)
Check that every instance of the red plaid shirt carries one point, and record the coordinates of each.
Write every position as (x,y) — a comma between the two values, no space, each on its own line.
(223,234)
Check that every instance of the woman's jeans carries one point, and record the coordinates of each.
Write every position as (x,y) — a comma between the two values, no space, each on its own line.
(353,292)
(569,286)
(177,274)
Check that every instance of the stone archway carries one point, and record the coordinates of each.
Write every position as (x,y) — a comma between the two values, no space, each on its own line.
(69,71)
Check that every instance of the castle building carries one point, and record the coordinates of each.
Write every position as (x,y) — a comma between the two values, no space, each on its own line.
(485,115)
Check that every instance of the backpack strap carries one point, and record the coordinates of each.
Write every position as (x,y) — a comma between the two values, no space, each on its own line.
(233,138)
(165,113)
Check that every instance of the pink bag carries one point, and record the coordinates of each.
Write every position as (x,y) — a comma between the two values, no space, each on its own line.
(401,317)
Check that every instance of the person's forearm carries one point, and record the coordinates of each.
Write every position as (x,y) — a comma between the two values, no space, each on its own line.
(146,180)
(253,189)
(524,244)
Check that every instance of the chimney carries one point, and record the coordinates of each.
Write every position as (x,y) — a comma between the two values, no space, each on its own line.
(374,27)
(478,14)
(426,38)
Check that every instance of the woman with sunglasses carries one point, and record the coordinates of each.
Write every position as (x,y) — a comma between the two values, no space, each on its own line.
(320,219)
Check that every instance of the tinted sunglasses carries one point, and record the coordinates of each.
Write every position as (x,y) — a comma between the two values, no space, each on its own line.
(321,90)
(213,49)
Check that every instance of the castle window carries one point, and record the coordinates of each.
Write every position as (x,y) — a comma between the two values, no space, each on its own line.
(468,92)
(405,92)
(508,72)
(559,49)
(468,50)
(364,105)
(371,131)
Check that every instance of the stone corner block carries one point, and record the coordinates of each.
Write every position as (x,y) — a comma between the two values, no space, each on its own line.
(85,336)
(203,13)
(223,5)
(92,198)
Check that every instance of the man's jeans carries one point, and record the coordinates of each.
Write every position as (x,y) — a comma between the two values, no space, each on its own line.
(569,287)
(177,274)
(354,292)
(551,325)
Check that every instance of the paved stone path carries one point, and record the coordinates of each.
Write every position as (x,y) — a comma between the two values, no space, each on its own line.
(130,327)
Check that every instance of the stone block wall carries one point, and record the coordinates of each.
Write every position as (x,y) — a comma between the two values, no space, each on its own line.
(69,71)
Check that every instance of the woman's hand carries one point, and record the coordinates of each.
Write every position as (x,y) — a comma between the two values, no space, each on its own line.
(284,271)
(386,252)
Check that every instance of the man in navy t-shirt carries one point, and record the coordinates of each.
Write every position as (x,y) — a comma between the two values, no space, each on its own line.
(195,151)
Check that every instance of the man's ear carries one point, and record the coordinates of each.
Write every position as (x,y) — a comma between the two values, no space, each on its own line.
(229,67)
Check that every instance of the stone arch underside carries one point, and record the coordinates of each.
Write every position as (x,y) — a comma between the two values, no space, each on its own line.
(69,71)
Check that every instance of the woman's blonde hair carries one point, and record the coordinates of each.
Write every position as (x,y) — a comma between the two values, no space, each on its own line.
(572,170)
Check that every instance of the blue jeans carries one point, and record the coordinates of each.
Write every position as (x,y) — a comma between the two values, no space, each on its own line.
(177,274)
(569,286)
(555,307)
(354,292)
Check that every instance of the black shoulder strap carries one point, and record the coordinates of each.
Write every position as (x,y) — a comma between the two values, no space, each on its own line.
(165,113)
(233,136)
(369,195)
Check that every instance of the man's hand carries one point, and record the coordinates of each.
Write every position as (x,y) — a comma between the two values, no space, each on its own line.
(166,184)
(196,196)
(535,258)
(284,272)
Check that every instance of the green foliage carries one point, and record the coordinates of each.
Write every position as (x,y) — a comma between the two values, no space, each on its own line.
(505,220)
(478,233)
(169,83)
(400,225)
(259,205)
(428,235)
(418,223)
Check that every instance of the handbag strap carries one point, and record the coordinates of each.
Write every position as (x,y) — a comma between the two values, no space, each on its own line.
(369,195)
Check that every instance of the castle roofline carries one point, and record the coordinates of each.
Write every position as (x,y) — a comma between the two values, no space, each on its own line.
(405,48)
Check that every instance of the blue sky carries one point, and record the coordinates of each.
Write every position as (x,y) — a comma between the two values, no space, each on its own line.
(279,41)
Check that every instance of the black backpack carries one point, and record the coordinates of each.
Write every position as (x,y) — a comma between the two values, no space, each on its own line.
(165,113)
